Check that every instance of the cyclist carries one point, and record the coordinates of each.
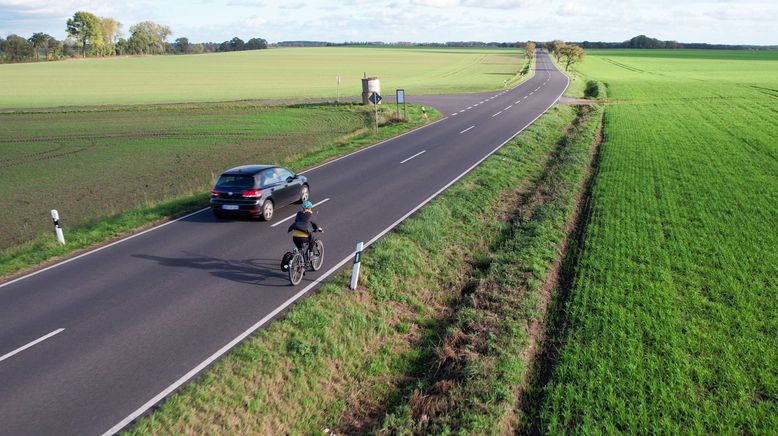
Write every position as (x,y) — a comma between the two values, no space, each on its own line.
(303,227)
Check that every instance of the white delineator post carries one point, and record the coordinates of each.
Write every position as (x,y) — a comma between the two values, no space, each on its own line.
(355,270)
(57,228)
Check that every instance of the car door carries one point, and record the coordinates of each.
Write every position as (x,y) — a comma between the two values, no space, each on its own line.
(291,188)
(269,181)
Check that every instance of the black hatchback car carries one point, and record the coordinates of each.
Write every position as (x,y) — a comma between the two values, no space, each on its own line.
(257,190)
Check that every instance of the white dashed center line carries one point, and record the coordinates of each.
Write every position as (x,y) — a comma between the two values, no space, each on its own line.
(31,344)
(466,130)
(417,154)
(508,107)
(498,113)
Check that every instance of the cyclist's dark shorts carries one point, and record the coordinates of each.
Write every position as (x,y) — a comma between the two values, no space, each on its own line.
(299,241)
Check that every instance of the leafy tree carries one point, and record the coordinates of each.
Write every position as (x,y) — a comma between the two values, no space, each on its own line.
(54,48)
(110,32)
(86,28)
(148,37)
(554,47)
(39,40)
(256,44)
(196,48)
(122,46)
(571,54)
(70,46)
(236,44)
(529,49)
(182,45)
(17,49)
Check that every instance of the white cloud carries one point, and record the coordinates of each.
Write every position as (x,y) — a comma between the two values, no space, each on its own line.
(488,4)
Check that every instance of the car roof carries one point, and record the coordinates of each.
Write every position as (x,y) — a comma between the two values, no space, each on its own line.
(248,170)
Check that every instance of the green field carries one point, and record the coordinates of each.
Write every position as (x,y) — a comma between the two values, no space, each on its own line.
(259,74)
(671,323)
(91,165)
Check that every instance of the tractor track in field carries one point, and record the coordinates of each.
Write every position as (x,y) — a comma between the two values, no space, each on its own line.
(40,156)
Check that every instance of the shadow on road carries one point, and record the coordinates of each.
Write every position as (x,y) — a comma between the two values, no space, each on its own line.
(265,272)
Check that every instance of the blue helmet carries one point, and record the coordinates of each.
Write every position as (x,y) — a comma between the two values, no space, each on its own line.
(307,204)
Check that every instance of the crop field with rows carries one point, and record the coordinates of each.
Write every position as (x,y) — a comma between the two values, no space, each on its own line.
(672,322)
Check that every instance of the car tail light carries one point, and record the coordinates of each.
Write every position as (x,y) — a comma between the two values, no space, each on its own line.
(252,193)
(215,193)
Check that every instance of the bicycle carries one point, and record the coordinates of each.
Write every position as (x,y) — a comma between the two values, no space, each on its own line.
(311,256)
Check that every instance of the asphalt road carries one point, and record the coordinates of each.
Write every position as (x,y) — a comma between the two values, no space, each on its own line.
(92,343)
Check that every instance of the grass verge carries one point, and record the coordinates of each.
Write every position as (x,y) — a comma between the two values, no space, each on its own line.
(44,248)
(525,73)
(340,359)
(482,359)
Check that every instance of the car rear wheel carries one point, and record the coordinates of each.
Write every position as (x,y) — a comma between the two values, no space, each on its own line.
(305,192)
(267,210)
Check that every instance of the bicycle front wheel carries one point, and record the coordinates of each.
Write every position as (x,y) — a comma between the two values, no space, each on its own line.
(296,269)
(317,255)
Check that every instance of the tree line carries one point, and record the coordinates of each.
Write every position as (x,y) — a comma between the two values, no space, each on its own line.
(92,36)
(643,41)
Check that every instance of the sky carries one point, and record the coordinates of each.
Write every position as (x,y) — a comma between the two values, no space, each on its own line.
(711,21)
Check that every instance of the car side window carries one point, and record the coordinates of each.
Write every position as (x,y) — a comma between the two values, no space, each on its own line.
(283,174)
(268,177)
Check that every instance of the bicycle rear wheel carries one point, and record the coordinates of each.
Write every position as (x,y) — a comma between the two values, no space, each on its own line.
(317,255)
(296,269)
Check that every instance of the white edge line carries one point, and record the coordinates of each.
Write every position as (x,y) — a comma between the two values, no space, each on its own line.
(296,296)
(34,273)
(101,248)
(292,216)
(417,154)
(466,130)
(31,344)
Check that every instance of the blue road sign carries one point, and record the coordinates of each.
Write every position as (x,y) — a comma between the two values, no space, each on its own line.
(375,98)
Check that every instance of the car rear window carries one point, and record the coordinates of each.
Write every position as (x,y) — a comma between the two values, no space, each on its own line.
(235,181)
